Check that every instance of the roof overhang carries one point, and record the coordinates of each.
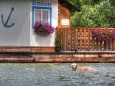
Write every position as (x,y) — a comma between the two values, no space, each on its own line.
(69,5)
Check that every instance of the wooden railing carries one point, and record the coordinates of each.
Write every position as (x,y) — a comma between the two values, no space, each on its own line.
(80,39)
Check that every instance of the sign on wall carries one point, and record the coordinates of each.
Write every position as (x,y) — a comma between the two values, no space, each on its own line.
(64,21)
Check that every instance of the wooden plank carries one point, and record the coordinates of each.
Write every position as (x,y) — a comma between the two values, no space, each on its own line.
(76,39)
(110,45)
(101,45)
(92,42)
(113,45)
(62,38)
(107,45)
(72,39)
(80,36)
(66,40)
(69,40)
(89,39)
(84,32)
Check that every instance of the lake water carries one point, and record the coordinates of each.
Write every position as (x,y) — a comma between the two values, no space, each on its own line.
(56,74)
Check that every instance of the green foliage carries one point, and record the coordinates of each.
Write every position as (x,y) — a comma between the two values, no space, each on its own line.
(94,13)
(58,40)
(80,3)
(57,44)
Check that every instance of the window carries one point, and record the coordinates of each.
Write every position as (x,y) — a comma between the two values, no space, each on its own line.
(43,14)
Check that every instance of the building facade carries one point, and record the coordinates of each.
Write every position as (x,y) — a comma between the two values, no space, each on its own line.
(18,18)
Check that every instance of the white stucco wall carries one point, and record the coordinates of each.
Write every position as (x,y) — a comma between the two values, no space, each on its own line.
(21,34)
(49,40)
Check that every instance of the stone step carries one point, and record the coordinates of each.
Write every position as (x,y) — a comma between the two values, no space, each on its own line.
(58,57)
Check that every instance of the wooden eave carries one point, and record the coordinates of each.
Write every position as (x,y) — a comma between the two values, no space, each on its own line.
(69,5)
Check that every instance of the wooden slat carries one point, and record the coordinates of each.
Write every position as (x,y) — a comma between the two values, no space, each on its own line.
(66,39)
(84,39)
(76,39)
(78,31)
(93,43)
(89,39)
(72,39)
(101,45)
(113,45)
(62,39)
(81,39)
(109,46)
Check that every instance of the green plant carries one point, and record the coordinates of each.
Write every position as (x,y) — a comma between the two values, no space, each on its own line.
(101,14)
(58,43)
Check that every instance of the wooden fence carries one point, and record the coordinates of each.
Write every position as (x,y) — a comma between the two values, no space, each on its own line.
(81,39)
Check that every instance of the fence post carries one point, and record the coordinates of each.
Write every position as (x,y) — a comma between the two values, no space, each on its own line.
(113,45)
(76,39)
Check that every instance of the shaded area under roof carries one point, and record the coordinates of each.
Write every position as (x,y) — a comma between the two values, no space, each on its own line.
(69,5)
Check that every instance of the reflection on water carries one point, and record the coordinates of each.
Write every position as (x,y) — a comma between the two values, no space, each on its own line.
(56,74)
